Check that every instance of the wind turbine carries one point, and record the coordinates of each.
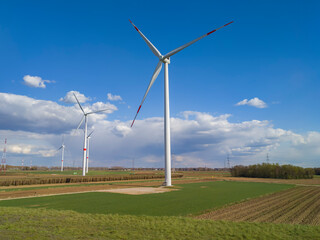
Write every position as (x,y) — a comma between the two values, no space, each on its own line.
(85,118)
(88,138)
(62,154)
(166,61)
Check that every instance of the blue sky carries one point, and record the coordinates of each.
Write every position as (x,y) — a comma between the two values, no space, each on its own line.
(270,52)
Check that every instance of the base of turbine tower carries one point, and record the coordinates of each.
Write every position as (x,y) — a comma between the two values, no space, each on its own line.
(165,184)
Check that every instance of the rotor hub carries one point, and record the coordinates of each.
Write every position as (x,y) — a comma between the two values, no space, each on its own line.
(165,60)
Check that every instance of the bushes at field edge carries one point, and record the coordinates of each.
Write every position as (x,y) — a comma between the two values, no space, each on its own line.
(266,170)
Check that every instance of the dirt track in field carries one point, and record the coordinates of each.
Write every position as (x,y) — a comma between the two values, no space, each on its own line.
(67,188)
(299,205)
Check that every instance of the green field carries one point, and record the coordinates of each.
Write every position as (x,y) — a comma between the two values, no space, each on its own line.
(189,199)
(21,223)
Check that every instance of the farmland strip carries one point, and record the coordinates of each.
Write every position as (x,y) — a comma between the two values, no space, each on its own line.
(314,216)
(298,205)
(299,211)
(249,208)
(244,207)
(272,205)
(270,214)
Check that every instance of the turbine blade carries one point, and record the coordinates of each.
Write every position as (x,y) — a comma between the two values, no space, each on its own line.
(192,42)
(78,103)
(98,111)
(154,77)
(90,134)
(80,122)
(59,148)
(153,48)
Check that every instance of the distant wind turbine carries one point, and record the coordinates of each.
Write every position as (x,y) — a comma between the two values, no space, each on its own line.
(88,148)
(85,118)
(165,60)
(62,154)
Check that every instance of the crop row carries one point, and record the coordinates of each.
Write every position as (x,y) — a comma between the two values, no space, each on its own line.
(231,212)
(299,205)
(78,179)
(284,210)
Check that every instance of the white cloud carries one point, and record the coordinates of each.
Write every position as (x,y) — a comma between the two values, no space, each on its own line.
(110,108)
(25,149)
(200,139)
(121,129)
(254,102)
(35,81)
(34,128)
(40,116)
(69,98)
(28,149)
(114,97)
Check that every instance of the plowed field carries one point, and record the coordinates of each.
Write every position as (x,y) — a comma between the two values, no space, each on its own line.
(299,205)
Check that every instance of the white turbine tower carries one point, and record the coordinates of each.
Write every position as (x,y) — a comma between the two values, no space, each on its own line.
(62,154)
(85,118)
(165,60)
(4,157)
(88,148)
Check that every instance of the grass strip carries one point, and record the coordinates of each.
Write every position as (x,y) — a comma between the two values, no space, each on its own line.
(19,223)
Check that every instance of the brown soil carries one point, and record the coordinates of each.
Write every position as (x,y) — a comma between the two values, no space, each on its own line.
(299,205)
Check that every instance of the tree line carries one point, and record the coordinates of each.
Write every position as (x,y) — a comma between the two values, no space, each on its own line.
(267,170)
(317,171)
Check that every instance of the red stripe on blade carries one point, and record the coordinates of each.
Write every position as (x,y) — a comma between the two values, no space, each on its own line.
(228,23)
(132,123)
(135,116)
(134,25)
(84,149)
(211,32)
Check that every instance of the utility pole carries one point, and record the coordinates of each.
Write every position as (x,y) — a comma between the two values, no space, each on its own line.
(267,157)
